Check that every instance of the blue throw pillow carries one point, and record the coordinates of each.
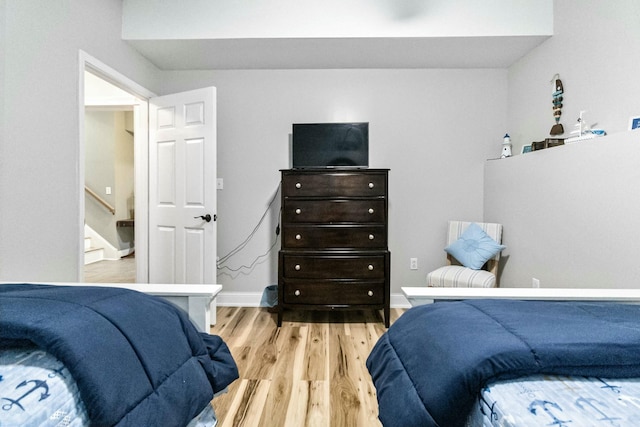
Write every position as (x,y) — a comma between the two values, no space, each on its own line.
(474,247)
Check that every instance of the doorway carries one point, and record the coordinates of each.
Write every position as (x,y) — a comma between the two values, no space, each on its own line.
(109,216)
(110,97)
(175,161)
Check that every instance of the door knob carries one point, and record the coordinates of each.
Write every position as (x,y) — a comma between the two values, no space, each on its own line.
(206,217)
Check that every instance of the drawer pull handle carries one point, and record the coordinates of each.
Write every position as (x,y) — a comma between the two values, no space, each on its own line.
(370,267)
(370,210)
(298,237)
(297,267)
(298,185)
(371,185)
(370,293)
(371,237)
(297,292)
(298,211)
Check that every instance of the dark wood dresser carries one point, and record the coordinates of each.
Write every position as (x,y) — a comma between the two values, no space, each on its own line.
(334,252)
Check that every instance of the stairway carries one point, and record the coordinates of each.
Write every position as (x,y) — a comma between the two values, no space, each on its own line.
(92,254)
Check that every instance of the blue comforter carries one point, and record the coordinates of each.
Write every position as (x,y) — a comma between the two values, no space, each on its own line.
(137,359)
(431,364)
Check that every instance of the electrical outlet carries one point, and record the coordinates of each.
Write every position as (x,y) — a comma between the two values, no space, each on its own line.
(220,184)
(535,283)
(413,263)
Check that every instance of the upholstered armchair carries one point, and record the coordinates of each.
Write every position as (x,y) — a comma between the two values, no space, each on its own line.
(473,251)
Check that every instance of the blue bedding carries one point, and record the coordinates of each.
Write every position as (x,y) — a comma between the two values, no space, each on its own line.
(137,359)
(430,365)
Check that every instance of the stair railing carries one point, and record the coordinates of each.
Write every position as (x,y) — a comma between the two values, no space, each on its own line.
(100,200)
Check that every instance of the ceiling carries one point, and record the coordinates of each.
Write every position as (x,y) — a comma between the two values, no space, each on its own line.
(98,93)
(319,53)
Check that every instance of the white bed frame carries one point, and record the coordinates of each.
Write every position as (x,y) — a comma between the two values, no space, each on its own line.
(427,295)
(197,300)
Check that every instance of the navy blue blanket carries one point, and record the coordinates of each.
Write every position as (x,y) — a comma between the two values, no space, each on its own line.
(137,359)
(430,365)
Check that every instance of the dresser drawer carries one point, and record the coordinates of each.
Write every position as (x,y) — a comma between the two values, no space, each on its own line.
(333,266)
(334,210)
(334,184)
(334,237)
(333,293)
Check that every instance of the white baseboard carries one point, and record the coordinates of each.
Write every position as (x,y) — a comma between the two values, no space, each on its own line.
(239,299)
(126,252)
(253,299)
(399,301)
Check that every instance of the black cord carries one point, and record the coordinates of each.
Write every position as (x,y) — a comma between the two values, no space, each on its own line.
(246,241)
(250,266)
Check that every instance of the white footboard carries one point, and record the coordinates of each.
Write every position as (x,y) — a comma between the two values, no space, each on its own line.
(426,295)
(197,300)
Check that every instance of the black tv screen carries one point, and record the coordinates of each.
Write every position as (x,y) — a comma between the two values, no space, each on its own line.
(326,145)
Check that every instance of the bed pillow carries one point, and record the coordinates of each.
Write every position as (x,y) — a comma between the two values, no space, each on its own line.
(474,247)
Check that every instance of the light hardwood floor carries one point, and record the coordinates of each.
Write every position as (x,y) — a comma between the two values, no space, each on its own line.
(310,372)
(118,271)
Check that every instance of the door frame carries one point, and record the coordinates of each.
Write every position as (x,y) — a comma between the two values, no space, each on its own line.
(87,62)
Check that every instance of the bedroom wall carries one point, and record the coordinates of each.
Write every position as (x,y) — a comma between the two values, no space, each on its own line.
(39,188)
(570,213)
(2,96)
(593,51)
(433,128)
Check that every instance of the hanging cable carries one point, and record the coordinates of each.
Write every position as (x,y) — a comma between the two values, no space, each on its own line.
(249,267)
(246,241)
(241,270)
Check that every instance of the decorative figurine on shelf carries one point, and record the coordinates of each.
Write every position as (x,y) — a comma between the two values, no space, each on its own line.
(506,146)
(582,127)
(556,94)
(584,131)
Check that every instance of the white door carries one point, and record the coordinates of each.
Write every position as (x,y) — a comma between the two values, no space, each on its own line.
(182,187)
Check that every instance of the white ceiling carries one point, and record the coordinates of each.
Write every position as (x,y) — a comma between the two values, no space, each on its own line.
(311,34)
(99,93)
(313,53)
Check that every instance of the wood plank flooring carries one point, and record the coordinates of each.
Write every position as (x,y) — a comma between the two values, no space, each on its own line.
(111,271)
(310,372)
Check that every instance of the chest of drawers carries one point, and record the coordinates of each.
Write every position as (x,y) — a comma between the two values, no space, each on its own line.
(334,252)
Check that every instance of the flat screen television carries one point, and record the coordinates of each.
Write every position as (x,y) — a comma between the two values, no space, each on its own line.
(330,145)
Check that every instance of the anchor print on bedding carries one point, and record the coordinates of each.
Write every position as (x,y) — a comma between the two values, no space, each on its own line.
(36,389)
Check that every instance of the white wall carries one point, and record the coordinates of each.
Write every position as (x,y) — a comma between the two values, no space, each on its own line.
(433,128)
(100,147)
(124,180)
(109,163)
(594,49)
(2,96)
(39,186)
(570,213)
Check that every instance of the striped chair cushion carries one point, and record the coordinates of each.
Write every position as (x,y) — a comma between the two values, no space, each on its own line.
(460,277)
